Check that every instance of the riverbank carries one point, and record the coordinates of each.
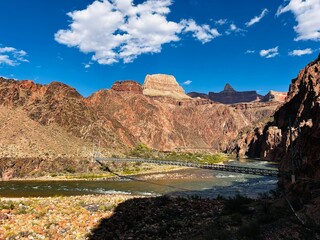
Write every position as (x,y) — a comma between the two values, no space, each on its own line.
(80,169)
(130,171)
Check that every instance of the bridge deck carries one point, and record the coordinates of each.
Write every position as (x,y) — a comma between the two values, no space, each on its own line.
(217,167)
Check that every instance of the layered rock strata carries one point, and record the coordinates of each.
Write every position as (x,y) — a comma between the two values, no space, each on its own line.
(163,85)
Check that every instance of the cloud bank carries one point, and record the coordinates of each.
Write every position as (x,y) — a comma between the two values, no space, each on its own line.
(307,15)
(12,56)
(115,30)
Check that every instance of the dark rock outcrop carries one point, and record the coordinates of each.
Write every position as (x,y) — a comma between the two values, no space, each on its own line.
(198,95)
(231,96)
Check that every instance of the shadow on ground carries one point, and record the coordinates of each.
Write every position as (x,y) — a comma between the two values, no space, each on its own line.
(195,218)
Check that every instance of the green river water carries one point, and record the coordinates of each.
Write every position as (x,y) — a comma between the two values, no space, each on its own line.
(200,182)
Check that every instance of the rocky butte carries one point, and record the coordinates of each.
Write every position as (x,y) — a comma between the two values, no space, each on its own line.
(163,85)
(231,96)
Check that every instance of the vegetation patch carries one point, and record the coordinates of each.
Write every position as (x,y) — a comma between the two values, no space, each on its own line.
(143,151)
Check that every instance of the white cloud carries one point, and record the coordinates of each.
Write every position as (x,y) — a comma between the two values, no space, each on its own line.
(250,52)
(257,19)
(119,30)
(221,22)
(188,82)
(300,52)
(203,33)
(269,53)
(307,14)
(234,29)
(12,56)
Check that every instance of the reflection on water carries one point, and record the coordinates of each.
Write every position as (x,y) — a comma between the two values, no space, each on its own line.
(205,183)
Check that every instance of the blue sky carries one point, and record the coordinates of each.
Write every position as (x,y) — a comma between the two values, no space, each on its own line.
(253,45)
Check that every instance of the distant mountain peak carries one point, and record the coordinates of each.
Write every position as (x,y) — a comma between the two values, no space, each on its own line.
(228,88)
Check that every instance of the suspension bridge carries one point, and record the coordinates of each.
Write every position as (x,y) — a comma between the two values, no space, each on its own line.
(215,167)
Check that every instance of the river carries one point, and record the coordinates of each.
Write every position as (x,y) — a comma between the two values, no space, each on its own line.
(188,182)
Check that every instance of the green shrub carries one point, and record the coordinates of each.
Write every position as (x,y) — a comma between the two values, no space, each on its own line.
(70,169)
(7,205)
(142,151)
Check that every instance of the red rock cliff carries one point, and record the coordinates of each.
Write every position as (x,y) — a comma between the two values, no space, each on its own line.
(302,108)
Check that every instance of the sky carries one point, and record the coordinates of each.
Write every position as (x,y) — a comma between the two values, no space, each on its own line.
(253,45)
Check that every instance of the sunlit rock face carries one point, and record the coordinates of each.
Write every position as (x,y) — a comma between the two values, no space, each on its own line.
(164,86)
(274,96)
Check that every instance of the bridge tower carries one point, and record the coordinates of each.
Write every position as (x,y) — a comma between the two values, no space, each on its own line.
(96,154)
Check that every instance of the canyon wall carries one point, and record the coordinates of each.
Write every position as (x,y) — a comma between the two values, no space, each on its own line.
(301,111)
